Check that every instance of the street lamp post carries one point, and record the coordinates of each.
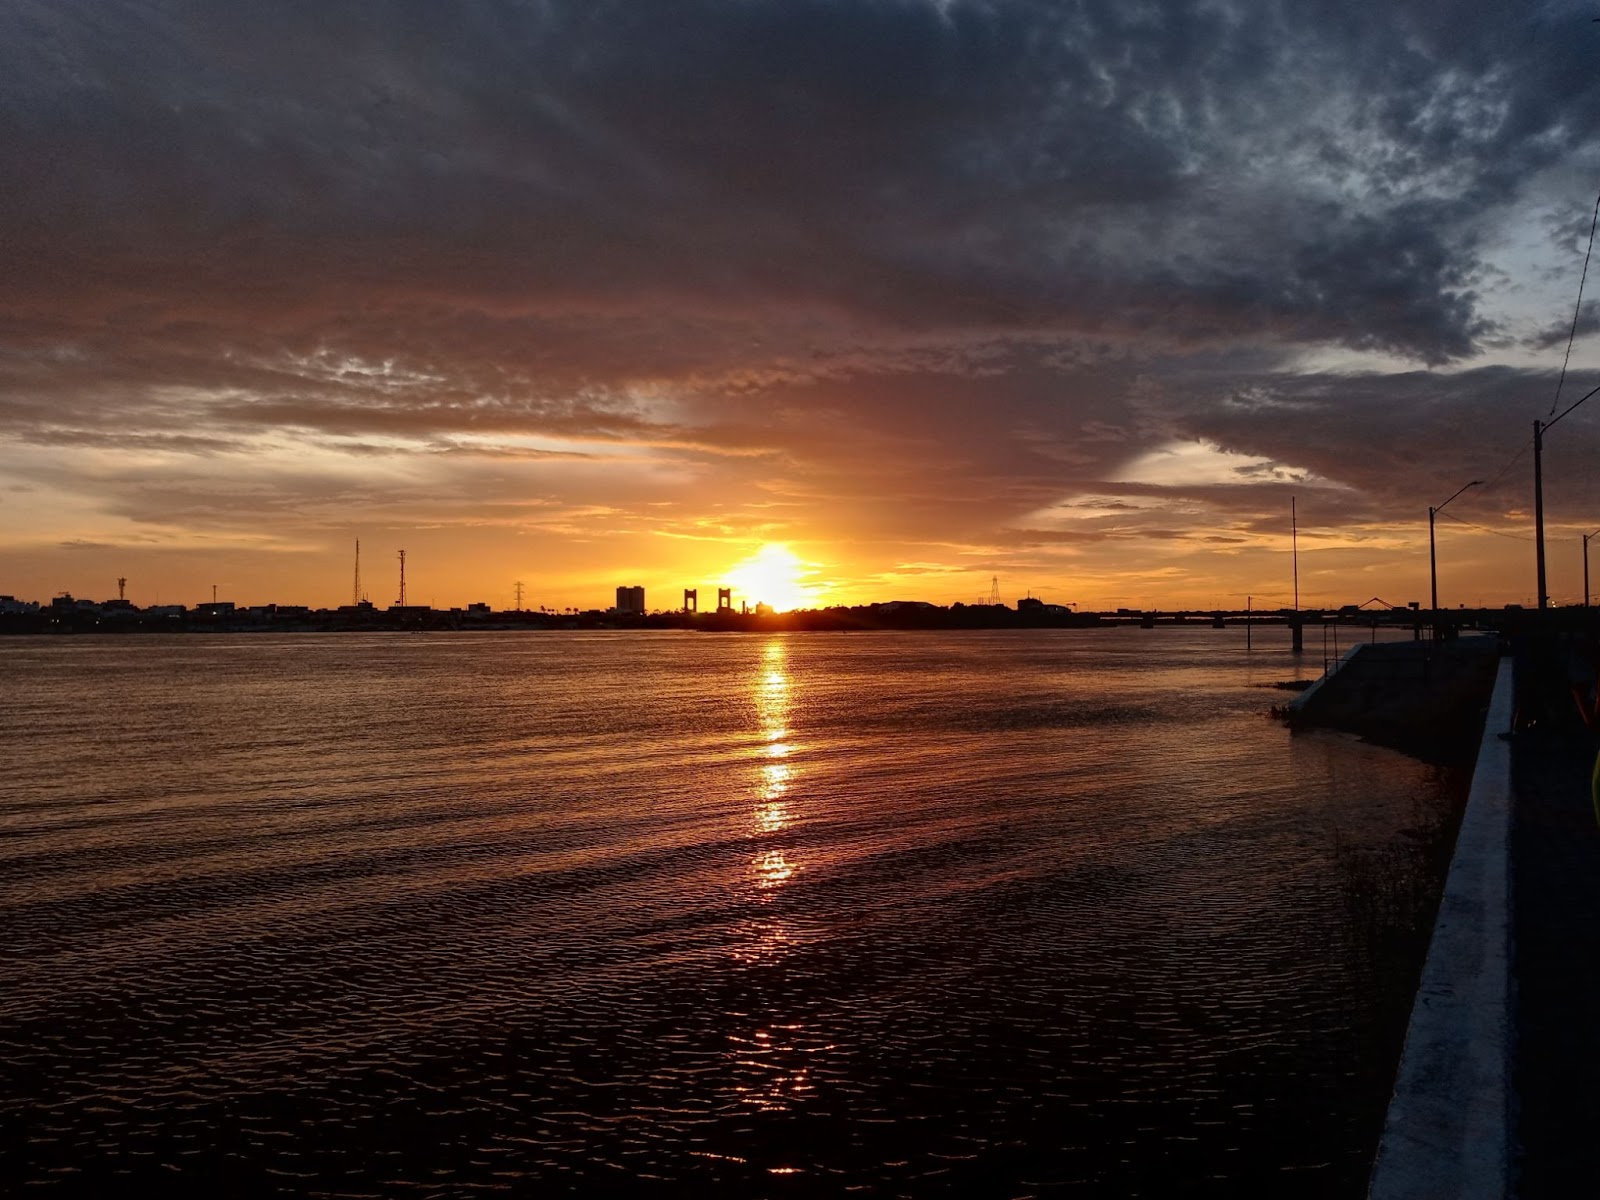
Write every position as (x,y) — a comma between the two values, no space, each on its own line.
(1433,558)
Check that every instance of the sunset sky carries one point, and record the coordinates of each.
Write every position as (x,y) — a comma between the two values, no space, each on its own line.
(876,300)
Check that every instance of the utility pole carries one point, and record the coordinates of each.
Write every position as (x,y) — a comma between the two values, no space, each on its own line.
(1294,542)
(1538,506)
(519,595)
(1539,428)
(1586,538)
(1297,631)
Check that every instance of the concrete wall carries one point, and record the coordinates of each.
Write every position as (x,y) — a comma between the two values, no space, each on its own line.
(1448,1130)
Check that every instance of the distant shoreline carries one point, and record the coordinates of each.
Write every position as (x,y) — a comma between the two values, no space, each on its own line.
(214,619)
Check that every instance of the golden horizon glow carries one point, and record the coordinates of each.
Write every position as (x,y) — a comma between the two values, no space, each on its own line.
(452,566)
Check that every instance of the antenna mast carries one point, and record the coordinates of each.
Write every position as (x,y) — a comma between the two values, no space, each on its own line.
(994,590)
(355,592)
(519,595)
(122,587)
(402,579)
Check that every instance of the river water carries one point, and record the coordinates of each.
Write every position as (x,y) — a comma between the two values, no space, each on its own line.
(1013,913)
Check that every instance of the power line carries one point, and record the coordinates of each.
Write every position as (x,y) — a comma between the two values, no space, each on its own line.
(1516,537)
(1499,475)
(1578,307)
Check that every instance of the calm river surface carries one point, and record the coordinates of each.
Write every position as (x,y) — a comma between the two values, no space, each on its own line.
(1021,913)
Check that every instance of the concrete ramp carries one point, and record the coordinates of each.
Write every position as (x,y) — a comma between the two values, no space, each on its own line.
(1426,698)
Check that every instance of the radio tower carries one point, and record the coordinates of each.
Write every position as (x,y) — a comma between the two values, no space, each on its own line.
(122,588)
(355,592)
(994,590)
(402,579)
(519,595)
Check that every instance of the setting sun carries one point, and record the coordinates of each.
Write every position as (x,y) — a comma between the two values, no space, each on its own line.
(774,576)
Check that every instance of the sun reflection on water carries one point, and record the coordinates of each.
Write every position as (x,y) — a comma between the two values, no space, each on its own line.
(772,1065)
(772,869)
(772,864)
(773,774)
(778,1075)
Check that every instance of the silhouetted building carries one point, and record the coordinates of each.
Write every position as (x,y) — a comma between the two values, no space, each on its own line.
(1032,606)
(630,600)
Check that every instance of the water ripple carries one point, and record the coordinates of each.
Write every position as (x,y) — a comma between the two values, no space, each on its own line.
(379,915)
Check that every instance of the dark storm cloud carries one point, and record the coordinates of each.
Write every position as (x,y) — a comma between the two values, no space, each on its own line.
(1309,173)
(973,258)
(1396,443)
(1586,321)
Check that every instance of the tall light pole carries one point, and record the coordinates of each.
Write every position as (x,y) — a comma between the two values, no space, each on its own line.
(1433,558)
(1586,538)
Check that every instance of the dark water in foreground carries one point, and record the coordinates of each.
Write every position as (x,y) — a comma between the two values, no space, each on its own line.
(1002,914)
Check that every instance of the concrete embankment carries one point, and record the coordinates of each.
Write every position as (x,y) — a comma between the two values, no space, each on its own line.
(1425,698)
(1496,1093)
(1448,1130)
